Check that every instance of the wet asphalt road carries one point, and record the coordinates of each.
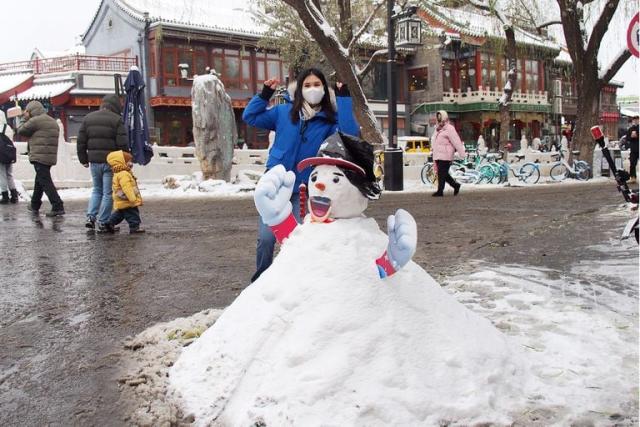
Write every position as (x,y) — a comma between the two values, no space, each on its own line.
(69,298)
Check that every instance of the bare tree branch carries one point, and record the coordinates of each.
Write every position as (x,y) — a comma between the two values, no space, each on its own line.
(600,28)
(365,25)
(548,24)
(362,72)
(615,66)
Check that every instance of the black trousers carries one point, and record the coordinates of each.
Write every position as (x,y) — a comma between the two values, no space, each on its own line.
(44,185)
(633,158)
(443,175)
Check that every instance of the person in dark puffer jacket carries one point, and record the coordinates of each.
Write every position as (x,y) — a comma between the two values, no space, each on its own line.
(43,132)
(101,132)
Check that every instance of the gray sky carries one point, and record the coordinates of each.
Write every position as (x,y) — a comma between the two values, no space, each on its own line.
(54,25)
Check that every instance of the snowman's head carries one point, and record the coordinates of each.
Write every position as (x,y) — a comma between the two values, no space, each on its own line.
(332,195)
(342,181)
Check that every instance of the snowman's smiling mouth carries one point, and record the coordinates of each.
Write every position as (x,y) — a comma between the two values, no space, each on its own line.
(320,208)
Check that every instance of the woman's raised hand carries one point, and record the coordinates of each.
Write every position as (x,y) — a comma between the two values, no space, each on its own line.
(272,83)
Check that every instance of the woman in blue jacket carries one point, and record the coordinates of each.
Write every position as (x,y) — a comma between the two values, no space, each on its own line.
(301,124)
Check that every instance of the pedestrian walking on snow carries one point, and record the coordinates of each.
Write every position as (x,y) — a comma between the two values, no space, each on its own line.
(126,195)
(446,143)
(42,131)
(101,133)
(7,159)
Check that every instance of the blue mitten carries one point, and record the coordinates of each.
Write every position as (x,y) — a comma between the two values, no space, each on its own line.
(272,195)
(403,238)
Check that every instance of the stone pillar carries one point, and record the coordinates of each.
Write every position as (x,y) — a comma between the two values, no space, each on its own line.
(214,127)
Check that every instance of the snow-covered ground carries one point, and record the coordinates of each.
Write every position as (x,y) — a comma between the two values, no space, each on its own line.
(194,189)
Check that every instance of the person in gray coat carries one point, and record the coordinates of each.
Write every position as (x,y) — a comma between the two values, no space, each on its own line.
(43,132)
(101,132)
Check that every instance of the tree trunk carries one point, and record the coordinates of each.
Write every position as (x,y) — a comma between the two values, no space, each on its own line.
(588,108)
(338,57)
(346,29)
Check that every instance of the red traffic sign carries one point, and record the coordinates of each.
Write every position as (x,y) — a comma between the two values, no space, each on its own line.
(633,35)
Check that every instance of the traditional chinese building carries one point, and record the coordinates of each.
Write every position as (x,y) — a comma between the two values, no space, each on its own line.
(174,41)
(463,71)
(68,86)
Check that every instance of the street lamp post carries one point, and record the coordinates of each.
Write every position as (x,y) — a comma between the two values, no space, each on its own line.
(410,37)
(393,165)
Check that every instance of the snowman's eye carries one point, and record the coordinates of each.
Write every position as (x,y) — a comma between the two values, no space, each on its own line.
(336,179)
(314,177)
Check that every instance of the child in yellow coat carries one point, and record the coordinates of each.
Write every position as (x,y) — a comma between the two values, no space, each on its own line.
(126,196)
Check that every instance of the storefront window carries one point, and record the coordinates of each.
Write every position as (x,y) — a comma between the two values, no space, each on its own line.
(532,74)
(269,65)
(468,74)
(418,78)
(234,65)
(489,71)
(447,75)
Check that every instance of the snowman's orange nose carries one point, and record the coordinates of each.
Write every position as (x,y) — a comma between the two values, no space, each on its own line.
(320,186)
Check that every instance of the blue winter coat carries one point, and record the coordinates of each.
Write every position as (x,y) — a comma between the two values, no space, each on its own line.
(297,141)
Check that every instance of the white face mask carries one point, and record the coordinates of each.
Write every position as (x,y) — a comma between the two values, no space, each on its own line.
(313,95)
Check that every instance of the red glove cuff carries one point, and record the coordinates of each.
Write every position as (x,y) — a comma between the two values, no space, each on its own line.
(385,268)
(282,230)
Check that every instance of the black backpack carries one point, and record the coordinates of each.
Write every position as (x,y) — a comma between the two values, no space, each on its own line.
(7,149)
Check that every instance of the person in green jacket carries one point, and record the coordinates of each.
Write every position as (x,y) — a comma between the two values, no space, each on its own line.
(43,132)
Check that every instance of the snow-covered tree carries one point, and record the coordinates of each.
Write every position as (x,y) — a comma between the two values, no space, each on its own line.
(351,19)
(340,57)
(584,25)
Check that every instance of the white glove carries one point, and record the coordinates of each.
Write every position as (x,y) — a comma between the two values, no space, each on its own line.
(273,194)
(403,238)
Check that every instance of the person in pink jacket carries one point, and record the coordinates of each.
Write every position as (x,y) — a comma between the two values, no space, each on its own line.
(445,143)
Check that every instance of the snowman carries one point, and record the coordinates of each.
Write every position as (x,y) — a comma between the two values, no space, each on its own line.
(343,328)
(340,187)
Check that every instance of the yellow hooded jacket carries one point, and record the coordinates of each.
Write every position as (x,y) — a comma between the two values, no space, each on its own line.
(125,188)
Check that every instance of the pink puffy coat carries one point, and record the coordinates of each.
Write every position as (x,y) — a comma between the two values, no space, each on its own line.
(446,142)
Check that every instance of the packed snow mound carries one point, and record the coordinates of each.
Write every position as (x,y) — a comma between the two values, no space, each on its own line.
(320,339)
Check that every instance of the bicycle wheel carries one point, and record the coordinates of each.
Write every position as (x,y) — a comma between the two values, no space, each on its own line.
(428,174)
(559,172)
(529,173)
(582,170)
(486,174)
(504,173)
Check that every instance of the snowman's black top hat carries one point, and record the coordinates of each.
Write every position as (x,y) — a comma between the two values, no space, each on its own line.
(351,154)
(333,151)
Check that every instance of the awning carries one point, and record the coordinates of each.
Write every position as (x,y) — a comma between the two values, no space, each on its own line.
(12,83)
(56,92)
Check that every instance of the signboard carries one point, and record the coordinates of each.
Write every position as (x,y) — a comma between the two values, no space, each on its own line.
(633,35)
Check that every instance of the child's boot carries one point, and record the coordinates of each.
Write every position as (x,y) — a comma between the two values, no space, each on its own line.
(5,198)
(14,196)
(138,230)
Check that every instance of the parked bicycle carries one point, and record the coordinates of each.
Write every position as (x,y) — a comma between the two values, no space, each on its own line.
(528,172)
(562,169)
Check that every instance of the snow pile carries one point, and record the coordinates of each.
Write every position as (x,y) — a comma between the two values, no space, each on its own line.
(245,181)
(320,338)
(150,354)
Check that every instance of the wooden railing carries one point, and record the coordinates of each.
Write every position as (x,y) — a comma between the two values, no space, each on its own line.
(486,95)
(72,63)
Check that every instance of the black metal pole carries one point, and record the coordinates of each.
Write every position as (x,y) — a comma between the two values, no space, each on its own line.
(393,162)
